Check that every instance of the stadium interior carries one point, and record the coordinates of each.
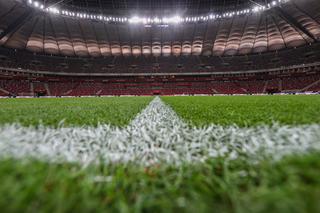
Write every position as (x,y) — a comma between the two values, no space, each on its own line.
(166,106)
(97,48)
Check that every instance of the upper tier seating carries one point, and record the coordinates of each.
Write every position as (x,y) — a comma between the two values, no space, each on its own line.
(172,64)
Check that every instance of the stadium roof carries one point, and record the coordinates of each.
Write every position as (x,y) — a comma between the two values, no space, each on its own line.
(294,23)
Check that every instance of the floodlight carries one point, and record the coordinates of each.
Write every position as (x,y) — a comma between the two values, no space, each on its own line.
(155,20)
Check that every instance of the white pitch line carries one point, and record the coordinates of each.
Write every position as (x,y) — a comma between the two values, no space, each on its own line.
(156,136)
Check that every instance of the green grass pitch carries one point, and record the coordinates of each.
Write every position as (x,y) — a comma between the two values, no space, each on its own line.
(247,110)
(289,185)
(116,111)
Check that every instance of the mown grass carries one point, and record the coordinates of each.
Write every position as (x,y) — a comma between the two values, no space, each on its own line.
(247,110)
(74,111)
(291,185)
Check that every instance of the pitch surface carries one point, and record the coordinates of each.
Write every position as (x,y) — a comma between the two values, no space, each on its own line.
(247,110)
(220,183)
(117,111)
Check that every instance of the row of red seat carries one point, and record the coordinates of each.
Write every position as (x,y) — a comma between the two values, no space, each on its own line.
(126,87)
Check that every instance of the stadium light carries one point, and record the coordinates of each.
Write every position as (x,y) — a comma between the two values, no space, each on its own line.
(36,4)
(156,20)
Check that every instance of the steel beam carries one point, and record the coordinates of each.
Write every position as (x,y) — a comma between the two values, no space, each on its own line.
(19,22)
(284,15)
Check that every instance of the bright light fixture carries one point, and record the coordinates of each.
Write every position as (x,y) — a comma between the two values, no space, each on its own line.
(155,20)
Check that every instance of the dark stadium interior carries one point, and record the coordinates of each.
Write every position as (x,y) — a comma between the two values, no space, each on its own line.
(246,51)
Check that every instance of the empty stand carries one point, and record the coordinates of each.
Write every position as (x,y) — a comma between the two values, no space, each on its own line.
(309,80)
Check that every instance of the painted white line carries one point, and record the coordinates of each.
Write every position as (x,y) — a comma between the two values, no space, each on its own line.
(157,135)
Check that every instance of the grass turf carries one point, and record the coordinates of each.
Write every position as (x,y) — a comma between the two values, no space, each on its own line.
(74,111)
(291,185)
(247,110)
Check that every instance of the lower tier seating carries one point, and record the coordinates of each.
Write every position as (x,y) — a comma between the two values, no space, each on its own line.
(161,85)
